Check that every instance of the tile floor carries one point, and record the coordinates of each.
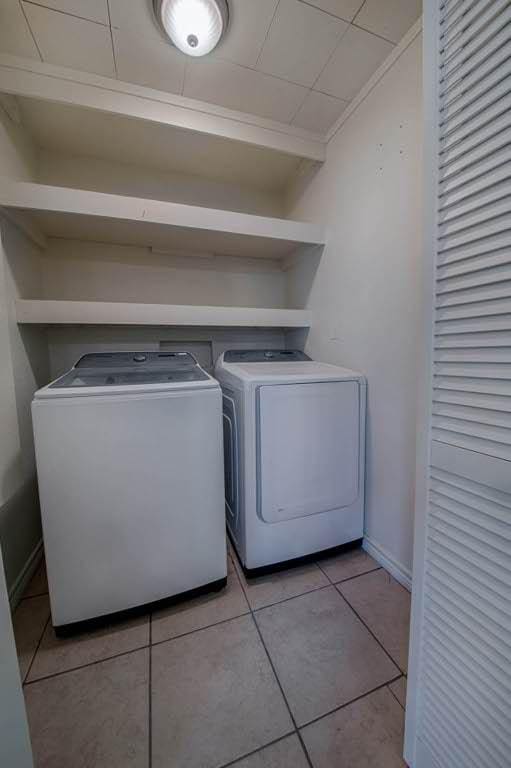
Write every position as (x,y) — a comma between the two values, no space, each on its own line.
(304,668)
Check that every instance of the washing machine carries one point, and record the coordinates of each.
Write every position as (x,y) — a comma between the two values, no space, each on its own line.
(294,454)
(130,471)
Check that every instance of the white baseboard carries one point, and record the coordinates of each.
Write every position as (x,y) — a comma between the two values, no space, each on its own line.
(397,570)
(28,570)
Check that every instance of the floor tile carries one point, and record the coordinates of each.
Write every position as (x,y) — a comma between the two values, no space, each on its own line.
(215,697)
(365,734)
(287,753)
(201,612)
(29,620)
(384,605)
(58,654)
(38,584)
(92,717)
(281,585)
(323,654)
(398,688)
(348,564)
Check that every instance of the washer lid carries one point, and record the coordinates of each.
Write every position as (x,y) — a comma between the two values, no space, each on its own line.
(117,369)
(87,377)
(112,373)
(141,360)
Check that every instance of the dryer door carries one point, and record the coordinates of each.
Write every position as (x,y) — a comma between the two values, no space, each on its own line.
(230,460)
(308,448)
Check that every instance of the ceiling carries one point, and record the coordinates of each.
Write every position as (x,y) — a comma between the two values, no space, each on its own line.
(294,61)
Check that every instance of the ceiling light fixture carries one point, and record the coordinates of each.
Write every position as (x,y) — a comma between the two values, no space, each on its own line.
(194,26)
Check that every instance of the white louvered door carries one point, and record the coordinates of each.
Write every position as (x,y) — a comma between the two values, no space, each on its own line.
(459,690)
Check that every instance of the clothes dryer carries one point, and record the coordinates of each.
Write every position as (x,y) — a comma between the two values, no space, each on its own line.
(294,454)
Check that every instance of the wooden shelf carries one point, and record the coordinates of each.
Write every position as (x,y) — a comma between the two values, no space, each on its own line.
(49,312)
(87,215)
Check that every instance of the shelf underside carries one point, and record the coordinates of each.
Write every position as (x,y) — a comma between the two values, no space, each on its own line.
(162,237)
(76,130)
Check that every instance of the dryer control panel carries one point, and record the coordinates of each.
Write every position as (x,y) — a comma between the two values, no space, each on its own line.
(264,356)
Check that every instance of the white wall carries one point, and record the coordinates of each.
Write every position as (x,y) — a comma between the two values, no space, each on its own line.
(68,344)
(18,155)
(122,179)
(25,367)
(364,293)
(23,353)
(15,747)
(77,270)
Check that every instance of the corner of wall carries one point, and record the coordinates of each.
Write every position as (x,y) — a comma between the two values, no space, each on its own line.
(18,152)
(364,292)
(25,366)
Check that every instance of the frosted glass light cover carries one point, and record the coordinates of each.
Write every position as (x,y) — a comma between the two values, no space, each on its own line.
(194,26)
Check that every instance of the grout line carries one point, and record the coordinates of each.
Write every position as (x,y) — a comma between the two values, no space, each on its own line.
(359,617)
(66,13)
(375,34)
(293,597)
(387,64)
(266,35)
(364,29)
(302,103)
(318,563)
(323,10)
(341,99)
(337,584)
(336,709)
(112,38)
(315,720)
(352,578)
(36,650)
(256,751)
(132,650)
(84,666)
(251,612)
(270,661)
(266,74)
(350,24)
(352,701)
(362,3)
(30,29)
(308,591)
(307,756)
(394,695)
(169,639)
(332,54)
(200,629)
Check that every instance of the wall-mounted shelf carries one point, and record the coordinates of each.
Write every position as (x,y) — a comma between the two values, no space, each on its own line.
(49,312)
(65,93)
(88,215)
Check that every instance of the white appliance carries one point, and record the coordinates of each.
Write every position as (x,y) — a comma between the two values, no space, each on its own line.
(129,464)
(294,445)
